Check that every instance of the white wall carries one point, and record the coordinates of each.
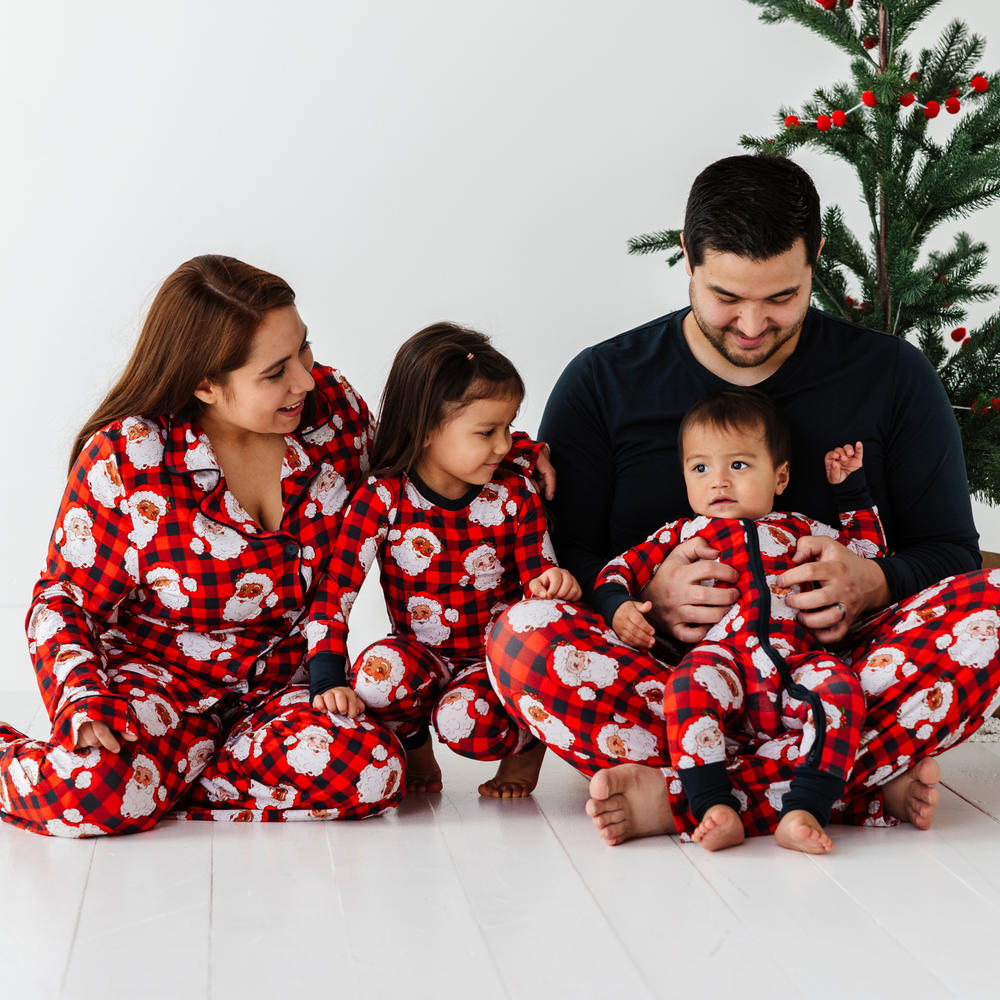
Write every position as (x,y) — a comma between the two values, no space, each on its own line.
(397,162)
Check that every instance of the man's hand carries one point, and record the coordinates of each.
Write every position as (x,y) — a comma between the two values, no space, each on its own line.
(848,587)
(97,734)
(841,462)
(340,701)
(545,474)
(556,583)
(682,605)
(630,624)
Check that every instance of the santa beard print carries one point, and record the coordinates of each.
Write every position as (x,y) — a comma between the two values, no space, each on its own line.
(253,591)
(143,444)
(425,619)
(376,783)
(976,642)
(773,540)
(483,568)
(415,551)
(105,483)
(223,543)
(452,718)
(546,727)
(487,508)
(145,508)
(628,742)
(379,675)
(140,791)
(309,751)
(156,714)
(702,742)
(77,544)
(166,584)
(328,491)
(574,667)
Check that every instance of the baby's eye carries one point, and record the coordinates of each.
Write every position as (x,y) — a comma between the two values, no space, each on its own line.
(486,434)
(740,465)
(701,467)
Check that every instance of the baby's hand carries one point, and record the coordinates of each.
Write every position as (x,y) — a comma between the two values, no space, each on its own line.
(841,462)
(556,582)
(341,701)
(630,624)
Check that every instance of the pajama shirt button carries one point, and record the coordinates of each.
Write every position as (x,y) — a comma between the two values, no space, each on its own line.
(291,549)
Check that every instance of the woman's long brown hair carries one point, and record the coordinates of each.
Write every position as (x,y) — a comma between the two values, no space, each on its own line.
(436,372)
(201,325)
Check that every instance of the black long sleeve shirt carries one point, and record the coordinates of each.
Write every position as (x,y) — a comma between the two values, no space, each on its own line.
(612,419)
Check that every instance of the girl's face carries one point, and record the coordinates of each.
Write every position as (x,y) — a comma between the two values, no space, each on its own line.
(466,449)
(267,394)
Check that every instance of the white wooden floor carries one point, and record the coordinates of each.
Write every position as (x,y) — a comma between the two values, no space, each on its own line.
(460,897)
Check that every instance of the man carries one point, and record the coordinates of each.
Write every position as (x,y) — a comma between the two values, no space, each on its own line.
(751,240)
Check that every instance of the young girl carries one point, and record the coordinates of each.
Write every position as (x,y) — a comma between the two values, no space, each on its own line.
(459,536)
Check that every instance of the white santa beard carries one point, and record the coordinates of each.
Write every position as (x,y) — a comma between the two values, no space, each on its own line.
(487,579)
(240,609)
(488,513)
(972,651)
(433,631)
(62,668)
(172,596)
(143,531)
(199,646)
(104,489)
(876,680)
(411,562)
(144,452)
(305,760)
(332,499)
(79,552)
(138,800)
(225,545)
(374,693)
(453,721)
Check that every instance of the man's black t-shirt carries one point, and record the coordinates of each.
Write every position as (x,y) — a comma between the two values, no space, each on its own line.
(612,418)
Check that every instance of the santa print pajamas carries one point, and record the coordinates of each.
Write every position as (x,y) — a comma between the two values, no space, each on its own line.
(165,612)
(928,667)
(448,568)
(733,682)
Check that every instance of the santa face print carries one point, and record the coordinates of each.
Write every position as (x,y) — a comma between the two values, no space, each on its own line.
(105,483)
(414,552)
(223,543)
(491,506)
(483,570)
(79,547)
(328,490)
(169,588)
(254,591)
(143,444)
(976,642)
(466,449)
(379,676)
(730,473)
(427,619)
(146,508)
(267,394)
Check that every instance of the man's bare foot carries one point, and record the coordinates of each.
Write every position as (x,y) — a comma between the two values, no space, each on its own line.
(630,800)
(423,773)
(516,776)
(719,828)
(799,830)
(913,796)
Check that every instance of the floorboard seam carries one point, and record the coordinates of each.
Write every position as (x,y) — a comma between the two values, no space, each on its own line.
(354,959)
(975,805)
(211,908)
(79,913)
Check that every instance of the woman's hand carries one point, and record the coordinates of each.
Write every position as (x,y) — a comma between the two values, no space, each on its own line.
(545,474)
(340,701)
(556,583)
(97,734)
(849,586)
(682,605)
(630,624)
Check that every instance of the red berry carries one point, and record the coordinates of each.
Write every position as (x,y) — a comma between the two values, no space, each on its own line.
(958,334)
(863,306)
(955,92)
(932,109)
(849,301)
(869,98)
(791,121)
(823,123)
(848,3)
(996,404)
(979,84)
(914,76)
(953,105)
(827,4)
(967,341)
(870,41)
(839,118)
(906,100)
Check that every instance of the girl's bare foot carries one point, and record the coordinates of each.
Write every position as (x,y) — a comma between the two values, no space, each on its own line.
(423,774)
(630,800)
(799,830)
(913,796)
(719,828)
(516,776)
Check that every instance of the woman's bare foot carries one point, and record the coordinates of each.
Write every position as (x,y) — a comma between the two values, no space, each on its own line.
(799,830)
(630,800)
(516,776)
(719,828)
(913,796)
(423,773)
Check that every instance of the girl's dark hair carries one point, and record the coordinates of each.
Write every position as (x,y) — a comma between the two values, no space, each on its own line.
(201,325)
(753,206)
(437,372)
(741,410)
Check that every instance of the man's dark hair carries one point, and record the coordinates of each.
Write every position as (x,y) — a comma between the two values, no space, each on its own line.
(741,410)
(752,206)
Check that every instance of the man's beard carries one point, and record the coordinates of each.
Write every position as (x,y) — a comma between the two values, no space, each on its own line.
(716,336)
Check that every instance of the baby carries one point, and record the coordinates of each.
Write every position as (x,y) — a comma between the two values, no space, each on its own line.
(758,671)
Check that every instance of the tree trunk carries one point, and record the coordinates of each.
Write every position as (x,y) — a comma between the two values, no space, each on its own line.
(881,263)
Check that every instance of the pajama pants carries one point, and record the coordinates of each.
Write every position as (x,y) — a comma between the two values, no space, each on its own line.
(278,759)
(407,686)
(928,668)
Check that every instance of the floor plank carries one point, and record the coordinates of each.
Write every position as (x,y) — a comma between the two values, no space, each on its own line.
(972,770)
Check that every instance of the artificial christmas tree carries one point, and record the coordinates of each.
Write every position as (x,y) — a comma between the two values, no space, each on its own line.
(917,168)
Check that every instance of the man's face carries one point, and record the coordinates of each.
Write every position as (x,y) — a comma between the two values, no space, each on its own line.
(748,310)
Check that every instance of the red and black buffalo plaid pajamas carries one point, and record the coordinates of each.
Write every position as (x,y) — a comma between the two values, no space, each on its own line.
(448,568)
(164,611)
(758,671)
(928,668)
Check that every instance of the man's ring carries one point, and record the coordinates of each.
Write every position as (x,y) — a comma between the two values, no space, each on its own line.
(843,610)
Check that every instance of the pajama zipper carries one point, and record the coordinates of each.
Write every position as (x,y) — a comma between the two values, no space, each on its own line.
(764,636)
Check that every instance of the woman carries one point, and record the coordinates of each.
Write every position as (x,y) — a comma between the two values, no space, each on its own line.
(202,499)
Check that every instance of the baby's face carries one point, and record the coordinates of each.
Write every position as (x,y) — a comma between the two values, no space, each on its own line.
(730,473)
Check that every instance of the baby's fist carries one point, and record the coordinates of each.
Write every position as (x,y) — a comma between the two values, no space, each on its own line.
(841,462)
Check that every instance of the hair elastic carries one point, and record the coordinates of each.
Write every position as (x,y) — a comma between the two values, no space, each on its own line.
(469,356)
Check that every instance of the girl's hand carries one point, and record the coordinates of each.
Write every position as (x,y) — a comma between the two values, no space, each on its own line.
(841,462)
(340,701)
(630,624)
(556,583)
(545,475)
(97,734)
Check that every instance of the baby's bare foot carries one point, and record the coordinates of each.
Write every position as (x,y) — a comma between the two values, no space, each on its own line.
(719,828)
(423,774)
(516,776)
(799,830)
(630,800)
(913,796)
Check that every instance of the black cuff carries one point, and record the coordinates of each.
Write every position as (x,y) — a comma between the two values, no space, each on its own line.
(815,791)
(607,599)
(418,739)
(707,785)
(326,670)
(852,493)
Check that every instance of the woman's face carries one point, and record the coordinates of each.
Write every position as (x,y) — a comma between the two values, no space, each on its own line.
(267,394)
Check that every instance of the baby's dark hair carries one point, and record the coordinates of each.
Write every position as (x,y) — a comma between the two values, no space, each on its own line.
(437,372)
(741,410)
